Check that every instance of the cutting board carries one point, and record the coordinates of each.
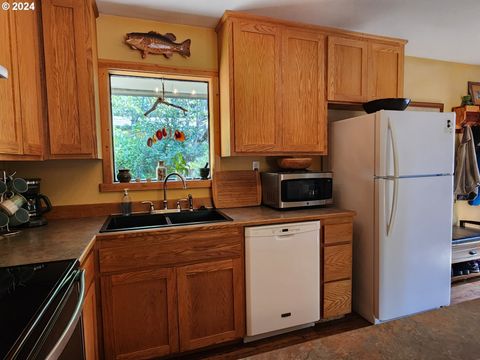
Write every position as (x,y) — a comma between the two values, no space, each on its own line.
(236,188)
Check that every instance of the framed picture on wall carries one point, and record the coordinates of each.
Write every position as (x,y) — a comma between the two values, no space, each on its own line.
(474,91)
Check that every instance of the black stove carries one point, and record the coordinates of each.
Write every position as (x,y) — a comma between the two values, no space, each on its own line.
(25,292)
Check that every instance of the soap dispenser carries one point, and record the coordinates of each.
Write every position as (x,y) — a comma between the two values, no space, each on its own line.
(126,203)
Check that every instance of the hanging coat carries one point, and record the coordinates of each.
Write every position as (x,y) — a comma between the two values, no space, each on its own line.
(476,142)
(467,176)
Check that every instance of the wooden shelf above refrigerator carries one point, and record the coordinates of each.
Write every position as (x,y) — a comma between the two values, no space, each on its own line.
(467,115)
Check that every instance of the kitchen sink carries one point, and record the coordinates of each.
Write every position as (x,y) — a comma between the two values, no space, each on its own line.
(148,221)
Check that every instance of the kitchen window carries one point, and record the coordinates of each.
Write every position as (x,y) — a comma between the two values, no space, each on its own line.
(152,117)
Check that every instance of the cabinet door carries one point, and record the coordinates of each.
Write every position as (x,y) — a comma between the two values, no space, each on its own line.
(10,125)
(89,316)
(210,303)
(68,67)
(385,72)
(337,298)
(303,99)
(30,81)
(139,314)
(347,69)
(256,79)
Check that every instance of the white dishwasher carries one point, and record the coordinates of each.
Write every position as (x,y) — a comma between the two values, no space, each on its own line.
(282,265)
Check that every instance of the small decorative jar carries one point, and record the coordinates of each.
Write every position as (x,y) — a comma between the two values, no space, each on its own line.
(161,170)
(124,175)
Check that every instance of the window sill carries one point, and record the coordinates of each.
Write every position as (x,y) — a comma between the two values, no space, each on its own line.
(154,185)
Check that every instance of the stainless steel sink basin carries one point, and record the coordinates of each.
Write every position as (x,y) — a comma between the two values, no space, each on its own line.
(148,221)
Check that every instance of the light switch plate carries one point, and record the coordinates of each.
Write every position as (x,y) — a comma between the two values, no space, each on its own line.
(256,165)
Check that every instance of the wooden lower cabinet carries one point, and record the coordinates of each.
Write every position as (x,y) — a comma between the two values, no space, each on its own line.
(89,317)
(89,312)
(140,314)
(336,267)
(210,303)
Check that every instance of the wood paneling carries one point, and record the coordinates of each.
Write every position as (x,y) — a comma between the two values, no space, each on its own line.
(89,312)
(336,233)
(140,314)
(337,298)
(347,69)
(303,99)
(256,82)
(30,81)
(89,316)
(337,262)
(69,78)
(10,124)
(385,73)
(210,303)
(168,248)
(236,188)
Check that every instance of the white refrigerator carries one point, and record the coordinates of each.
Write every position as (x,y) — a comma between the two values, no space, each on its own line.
(395,169)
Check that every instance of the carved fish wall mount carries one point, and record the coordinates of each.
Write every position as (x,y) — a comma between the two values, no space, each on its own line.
(155,43)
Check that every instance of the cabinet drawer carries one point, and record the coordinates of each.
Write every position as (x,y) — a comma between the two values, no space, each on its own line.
(465,252)
(337,298)
(337,262)
(168,248)
(335,233)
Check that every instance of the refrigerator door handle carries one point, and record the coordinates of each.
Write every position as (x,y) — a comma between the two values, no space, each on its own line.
(391,132)
(393,209)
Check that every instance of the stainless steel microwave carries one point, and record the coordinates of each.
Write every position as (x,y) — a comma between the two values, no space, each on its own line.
(283,190)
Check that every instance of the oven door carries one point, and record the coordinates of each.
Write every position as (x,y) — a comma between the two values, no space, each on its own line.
(306,192)
(57,332)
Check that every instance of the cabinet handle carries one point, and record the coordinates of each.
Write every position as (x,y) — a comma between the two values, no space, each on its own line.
(473,252)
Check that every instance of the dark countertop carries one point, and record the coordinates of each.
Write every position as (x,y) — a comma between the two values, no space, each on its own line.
(448,333)
(71,239)
(59,240)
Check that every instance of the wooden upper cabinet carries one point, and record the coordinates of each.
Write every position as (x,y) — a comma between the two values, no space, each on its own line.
(303,99)
(30,81)
(10,125)
(139,314)
(347,69)
(385,71)
(21,128)
(68,42)
(361,70)
(256,83)
(210,303)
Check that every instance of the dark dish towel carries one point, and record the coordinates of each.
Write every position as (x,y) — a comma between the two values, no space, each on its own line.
(476,141)
(467,177)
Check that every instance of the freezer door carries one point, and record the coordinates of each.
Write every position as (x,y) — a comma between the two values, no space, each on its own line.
(412,245)
(411,143)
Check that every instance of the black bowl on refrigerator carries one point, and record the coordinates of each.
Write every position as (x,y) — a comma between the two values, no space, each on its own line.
(386,104)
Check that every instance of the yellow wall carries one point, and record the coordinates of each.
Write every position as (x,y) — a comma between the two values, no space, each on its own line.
(445,82)
(438,81)
(111,32)
(76,181)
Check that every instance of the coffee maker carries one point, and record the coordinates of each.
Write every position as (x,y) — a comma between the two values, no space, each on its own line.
(37,203)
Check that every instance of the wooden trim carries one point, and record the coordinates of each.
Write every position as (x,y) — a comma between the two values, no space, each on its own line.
(154,185)
(105,209)
(428,105)
(228,14)
(139,66)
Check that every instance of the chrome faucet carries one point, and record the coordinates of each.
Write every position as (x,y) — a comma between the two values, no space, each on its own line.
(165,202)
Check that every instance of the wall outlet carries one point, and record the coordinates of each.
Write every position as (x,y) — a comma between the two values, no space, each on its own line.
(256,165)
